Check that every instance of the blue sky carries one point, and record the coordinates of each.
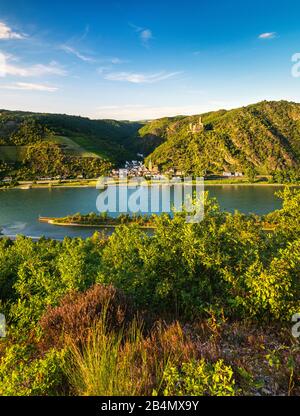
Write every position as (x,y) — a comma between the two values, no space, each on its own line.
(146,59)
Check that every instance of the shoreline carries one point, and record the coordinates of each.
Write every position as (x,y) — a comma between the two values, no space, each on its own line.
(93,184)
(53,222)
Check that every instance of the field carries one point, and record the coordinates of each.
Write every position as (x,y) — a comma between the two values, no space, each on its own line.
(12,153)
(76,146)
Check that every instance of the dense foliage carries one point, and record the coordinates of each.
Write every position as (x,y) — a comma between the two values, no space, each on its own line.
(232,285)
(46,159)
(103,219)
(81,145)
(263,136)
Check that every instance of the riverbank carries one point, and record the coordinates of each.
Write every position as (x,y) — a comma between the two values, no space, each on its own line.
(26,185)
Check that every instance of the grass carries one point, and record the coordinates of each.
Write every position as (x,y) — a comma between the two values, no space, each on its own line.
(109,363)
(234,358)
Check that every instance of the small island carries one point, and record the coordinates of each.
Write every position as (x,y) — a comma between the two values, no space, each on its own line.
(102,220)
(267,223)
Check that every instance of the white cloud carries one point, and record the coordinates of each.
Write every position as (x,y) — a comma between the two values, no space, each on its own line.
(79,55)
(9,68)
(144,33)
(139,78)
(117,61)
(85,58)
(268,35)
(7,33)
(25,86)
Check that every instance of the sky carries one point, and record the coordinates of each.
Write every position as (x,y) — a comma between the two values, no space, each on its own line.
(139,60)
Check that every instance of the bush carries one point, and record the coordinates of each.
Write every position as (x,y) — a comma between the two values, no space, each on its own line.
(199,378)
(23,375)
(77,312)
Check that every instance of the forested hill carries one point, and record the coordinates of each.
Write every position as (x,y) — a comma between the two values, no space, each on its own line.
(80,136)
(264,137)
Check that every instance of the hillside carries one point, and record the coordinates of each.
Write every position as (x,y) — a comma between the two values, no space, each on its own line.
(77,136)
(35,145)
(264,137)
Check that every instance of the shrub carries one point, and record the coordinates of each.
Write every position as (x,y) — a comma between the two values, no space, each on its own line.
(78,311)
(23,375)
(198,378)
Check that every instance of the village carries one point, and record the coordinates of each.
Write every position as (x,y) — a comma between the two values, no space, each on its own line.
(135,168)
(132,169)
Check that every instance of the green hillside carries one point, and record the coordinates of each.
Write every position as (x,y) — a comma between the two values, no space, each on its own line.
(34,145)
(264,137)
(79,136)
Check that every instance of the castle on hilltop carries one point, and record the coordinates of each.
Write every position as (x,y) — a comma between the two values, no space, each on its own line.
(196,127)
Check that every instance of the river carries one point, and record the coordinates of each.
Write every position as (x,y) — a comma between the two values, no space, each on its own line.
(20,209)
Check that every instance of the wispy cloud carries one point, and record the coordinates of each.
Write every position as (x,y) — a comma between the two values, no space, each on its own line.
(103,69)
(143,112)
(70,50)
(86,58)
(26,86)
(9,67)
(85,33)
(112,60)
(147,112)
(7,33)
(139,78)
(145,34)
(108,64)
(267,35)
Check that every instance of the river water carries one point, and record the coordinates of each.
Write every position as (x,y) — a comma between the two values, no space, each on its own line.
(20,209)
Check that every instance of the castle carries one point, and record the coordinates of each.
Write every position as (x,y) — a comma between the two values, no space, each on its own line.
(196,127)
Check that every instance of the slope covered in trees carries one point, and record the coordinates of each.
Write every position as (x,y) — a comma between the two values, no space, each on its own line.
(264,137)
(109,139)
(35,145)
